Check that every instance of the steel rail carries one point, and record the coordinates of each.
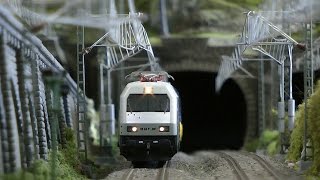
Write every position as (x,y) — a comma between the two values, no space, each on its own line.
(266,165)
(237,170)
(163,172)
(129,174)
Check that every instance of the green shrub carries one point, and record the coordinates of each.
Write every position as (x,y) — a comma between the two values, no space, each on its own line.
(273,148)
(70,152)
(269,141)
(23,175)
(267,137)
(251,145)
(314,128)
(296,138)
(313,131)
(40,168)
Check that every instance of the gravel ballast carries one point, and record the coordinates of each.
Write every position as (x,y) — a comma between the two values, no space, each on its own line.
(205,165)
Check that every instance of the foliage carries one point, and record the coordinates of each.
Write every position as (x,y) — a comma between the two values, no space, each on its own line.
(68,165)
(219,4)
(251,145)
(155,41)
(269,140)
(40,169)
(69,155)
(313,131)
(267,137)
(21,175)
(296,138)
(317,30)
(65,170)
(249,3)
(273,147)
(314,128)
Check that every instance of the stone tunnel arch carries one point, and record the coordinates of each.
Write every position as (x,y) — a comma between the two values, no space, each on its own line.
(242,88)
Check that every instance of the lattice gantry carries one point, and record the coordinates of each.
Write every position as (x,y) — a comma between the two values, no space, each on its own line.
(262,40)
(127,39)
(259,35)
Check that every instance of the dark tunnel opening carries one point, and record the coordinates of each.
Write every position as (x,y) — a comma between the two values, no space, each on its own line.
(211,121)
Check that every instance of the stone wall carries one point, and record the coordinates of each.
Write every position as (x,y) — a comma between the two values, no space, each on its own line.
(24,106)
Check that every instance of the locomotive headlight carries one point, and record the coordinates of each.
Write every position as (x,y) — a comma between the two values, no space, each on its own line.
(132,128)
(148,90)
(164,128)
(161,129)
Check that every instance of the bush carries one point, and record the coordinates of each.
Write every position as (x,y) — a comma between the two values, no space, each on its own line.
(296,138)
(313,131)
(269,140)
(251,145)
(267,137)
(314,128)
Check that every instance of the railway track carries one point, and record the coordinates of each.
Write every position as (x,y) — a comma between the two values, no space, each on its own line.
(267,166)
(129,175)
(163,173)
(237,170)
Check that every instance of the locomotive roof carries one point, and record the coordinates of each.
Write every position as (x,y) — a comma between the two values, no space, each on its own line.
(149,76)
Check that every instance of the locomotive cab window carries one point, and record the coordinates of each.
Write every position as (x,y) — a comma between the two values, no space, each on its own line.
(148,103)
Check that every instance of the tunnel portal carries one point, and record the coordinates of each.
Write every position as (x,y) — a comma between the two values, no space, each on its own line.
(211,120)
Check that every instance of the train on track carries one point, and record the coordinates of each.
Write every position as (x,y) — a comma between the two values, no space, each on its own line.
(149,118)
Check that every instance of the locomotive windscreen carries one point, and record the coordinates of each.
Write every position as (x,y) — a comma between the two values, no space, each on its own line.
(148,103)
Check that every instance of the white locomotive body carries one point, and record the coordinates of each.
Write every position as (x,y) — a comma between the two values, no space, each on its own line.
(149,120)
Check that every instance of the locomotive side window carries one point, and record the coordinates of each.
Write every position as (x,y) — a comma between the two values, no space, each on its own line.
(148,103)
